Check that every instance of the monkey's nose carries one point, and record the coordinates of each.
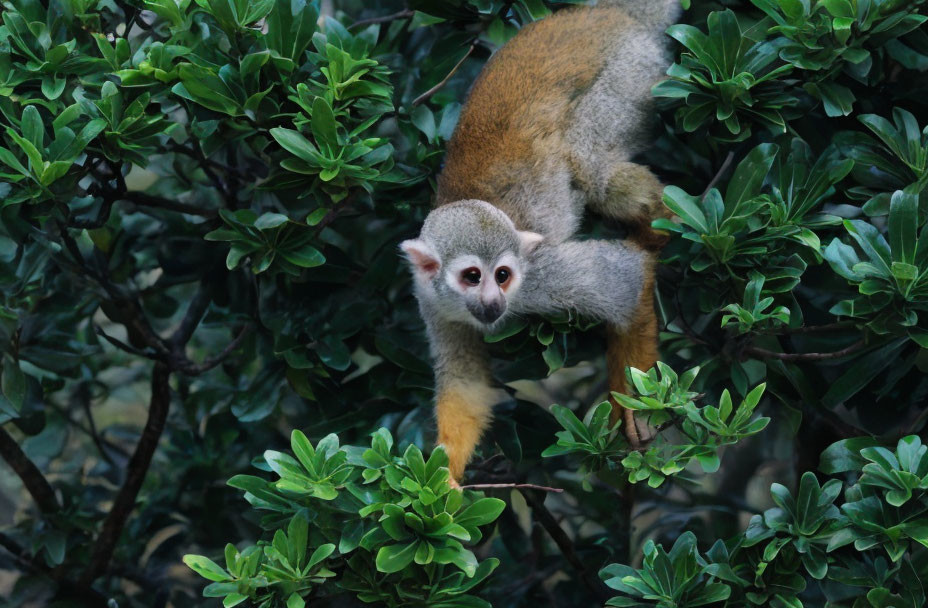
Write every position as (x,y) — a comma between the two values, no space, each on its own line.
(489,313)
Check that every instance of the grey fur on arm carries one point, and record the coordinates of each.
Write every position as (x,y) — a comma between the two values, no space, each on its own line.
(597,279)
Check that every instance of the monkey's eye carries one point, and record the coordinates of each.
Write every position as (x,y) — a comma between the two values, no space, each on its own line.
(503,275)
(471,276)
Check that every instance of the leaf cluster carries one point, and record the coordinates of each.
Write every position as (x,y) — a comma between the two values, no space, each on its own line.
(366,511)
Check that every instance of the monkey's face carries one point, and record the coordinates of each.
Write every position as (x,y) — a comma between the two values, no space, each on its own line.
(469,262)
(484,287)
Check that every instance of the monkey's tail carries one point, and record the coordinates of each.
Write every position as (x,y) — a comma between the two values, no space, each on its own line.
(656,14)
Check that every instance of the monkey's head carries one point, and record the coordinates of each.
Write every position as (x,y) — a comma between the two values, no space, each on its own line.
(469,261)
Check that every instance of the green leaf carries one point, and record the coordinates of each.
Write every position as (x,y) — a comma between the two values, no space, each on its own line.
(903,228)
(393,558)
(859,375)
(233,599)
(424,120)
(295,143)
(295,601)
(749,175)
(306,256)
(206,568)
(687,208)
(32,127)
(481,512)
(13,383)
(269,221)
(324,125)
(569,421)
(321,553)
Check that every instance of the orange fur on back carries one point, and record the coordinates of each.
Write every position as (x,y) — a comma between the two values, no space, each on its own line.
(523,96)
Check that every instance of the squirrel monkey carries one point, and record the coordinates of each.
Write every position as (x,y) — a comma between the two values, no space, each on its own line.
(548,130)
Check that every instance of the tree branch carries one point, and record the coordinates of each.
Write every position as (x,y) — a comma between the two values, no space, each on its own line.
(761,353)
(99,440)
(718,175)
(445,80)
(32,478)
(176,360)
(82,394)
(560,538)
(346,205)
(518,486)
(102,217)
(810,329)
(192,317)
(130,310)
(207,165)
(135,475)
(404,14)
(148,200)
(121,345)
(189,368)
(191,152)
(688,331)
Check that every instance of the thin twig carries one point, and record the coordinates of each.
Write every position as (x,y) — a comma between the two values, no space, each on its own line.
(17,551)
(77,424)
(404,14)
(718,175)
(83,396)
(445,80)
(117,173)
(129,22)
(810,329)
(769,354)
(135,475)
(201,157)
(102,217)
(334,213)
(688,331)
(193,369)
(500,486)
(122,345)
(148,200)
(217,182)
(32,478)
(129,309)
(560,538)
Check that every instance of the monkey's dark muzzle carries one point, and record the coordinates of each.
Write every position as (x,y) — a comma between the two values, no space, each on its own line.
(488,313)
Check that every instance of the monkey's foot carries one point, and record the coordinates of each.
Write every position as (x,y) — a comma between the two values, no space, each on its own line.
(454,483)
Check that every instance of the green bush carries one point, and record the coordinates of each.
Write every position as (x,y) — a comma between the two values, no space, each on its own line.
(201,206)
(397,516)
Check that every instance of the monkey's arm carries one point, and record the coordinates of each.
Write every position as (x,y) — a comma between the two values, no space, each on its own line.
(610,281)
(465,397)
(598,279)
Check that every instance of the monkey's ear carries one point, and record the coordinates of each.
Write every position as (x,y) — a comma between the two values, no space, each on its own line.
(424,260)
(528,241)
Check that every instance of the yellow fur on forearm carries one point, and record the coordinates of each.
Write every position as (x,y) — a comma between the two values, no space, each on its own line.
(463,412)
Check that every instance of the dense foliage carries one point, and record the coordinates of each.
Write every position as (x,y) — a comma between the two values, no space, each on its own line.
(201,202)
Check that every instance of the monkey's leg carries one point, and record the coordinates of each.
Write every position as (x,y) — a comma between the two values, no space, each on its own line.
(632,346)
(631,194)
